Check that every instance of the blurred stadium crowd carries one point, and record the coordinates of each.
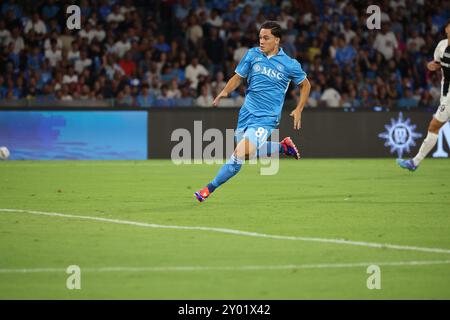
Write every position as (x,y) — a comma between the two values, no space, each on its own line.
(181,53)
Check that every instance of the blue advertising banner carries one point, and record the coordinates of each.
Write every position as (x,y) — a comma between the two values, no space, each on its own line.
(95,135)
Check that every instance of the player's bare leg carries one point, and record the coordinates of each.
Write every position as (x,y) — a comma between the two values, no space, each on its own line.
(430,140)
(245,149)
(427,145)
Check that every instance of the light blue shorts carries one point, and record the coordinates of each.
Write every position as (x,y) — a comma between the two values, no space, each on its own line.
(253,128)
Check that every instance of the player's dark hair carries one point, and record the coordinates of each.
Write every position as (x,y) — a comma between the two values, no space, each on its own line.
(274,27)
(445,26)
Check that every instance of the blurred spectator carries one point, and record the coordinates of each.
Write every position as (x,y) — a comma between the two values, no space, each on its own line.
(415,42)
(330,98)
(17,40)
(125,98)
(53,54)
(35,58)
(66,39)
(386,42)
(87,32)
(218,84)
(74,52)
(186,99)
(408,101)
(345,53)
(182,9)
(214,19)
(314,96)
(193,71)
(194,32)
(127,64)
(83,62)
(121,46)
(70,76)
(36,24)
(215,49)
(162,44)
(116,16)
(127,7)
(50,10)
(5,34)
(48,41)
(174,92)
(240,52)
(145,98)
(205,99)
(163,100)
(348,33)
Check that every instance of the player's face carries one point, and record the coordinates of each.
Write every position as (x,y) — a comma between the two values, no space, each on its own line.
(447,30)
(267,41)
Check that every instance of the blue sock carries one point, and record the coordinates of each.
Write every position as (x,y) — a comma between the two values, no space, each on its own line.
(269,149)
(228,170)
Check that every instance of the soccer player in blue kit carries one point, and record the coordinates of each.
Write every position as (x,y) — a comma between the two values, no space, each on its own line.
(269,72)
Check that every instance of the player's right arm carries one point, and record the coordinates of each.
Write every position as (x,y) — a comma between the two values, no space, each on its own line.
(241,72)
(232,84)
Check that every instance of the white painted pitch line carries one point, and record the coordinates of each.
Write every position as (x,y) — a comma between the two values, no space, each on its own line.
(89,163)
(233,268)
(235,232)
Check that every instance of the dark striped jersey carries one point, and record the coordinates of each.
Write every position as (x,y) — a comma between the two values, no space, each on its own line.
(442,55)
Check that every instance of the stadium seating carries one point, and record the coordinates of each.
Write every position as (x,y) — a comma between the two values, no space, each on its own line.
(126,46)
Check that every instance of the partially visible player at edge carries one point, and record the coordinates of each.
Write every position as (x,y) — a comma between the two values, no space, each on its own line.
(268,71)
(442,115)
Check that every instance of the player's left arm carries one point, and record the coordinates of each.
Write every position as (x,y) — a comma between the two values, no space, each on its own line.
(433,65)
(305,88)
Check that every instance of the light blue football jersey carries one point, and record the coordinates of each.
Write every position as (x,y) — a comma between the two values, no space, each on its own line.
(268,80)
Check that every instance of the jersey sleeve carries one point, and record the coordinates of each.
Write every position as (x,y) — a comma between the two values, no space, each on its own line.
(437,53)
(244,65)
(297,73)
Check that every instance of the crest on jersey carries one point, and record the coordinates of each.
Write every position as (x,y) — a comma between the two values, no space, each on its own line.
(256,68)
(400,135)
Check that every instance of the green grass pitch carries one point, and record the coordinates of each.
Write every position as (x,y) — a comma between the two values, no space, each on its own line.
(357,200)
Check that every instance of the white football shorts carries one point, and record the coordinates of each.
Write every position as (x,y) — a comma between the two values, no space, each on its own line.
(443,112)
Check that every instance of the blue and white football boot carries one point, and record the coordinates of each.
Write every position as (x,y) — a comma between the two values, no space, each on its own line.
(407,164)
